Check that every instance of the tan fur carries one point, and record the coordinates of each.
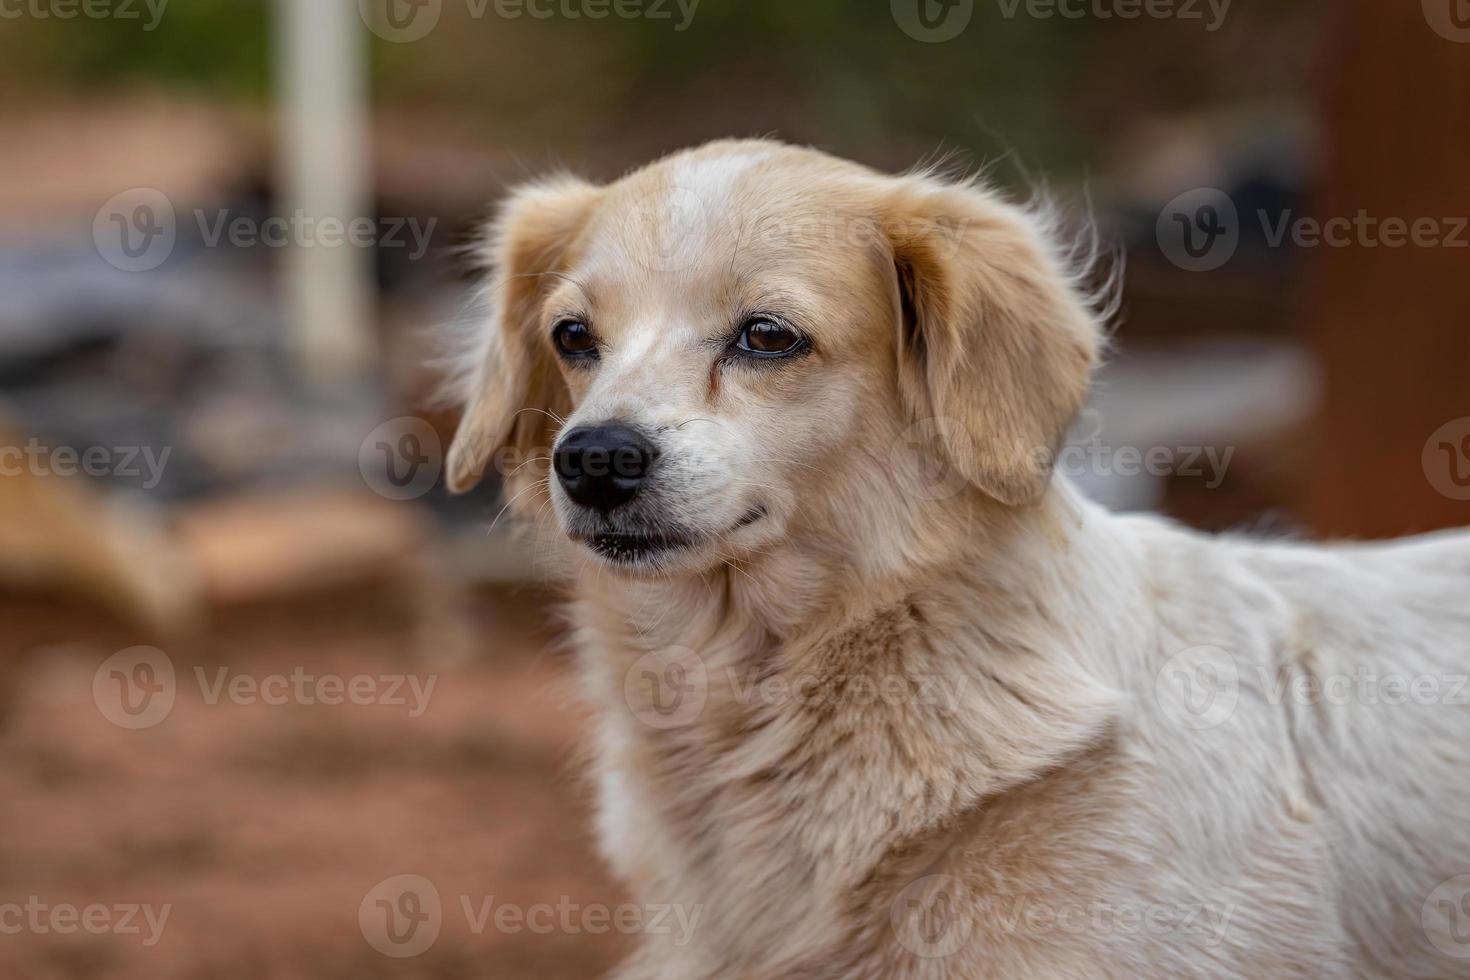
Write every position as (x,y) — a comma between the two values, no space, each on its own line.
(1025,758)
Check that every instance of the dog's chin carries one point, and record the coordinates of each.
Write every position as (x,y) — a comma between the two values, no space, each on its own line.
(644,553)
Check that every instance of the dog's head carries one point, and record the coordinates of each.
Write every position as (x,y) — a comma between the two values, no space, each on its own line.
(749,339)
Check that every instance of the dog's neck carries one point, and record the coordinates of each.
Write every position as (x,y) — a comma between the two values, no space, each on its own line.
(842,707)
(817,579)
(995,598)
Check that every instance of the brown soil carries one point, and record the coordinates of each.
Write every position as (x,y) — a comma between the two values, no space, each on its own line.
(264,827)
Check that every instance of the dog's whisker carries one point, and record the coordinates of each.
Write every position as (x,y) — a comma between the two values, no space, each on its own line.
(534,459)
(546,412)
(785,461)
(541,511)
(729,561)
(538,485)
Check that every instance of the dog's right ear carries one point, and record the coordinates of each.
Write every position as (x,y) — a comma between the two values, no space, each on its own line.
(513,382)
(996,343)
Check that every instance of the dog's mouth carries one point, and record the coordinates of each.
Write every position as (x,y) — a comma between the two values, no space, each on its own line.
(636,548)
(631,549)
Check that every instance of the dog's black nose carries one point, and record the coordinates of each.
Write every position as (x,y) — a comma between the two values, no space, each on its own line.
(602,466)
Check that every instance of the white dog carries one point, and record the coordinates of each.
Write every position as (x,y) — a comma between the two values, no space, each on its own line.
(878,695)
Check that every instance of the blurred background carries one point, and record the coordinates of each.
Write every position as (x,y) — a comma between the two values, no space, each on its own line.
(257,664)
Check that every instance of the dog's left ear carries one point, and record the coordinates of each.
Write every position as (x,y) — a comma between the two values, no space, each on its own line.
(512,386)
(996,344)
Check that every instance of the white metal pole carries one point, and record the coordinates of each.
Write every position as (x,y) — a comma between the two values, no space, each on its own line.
(324,174)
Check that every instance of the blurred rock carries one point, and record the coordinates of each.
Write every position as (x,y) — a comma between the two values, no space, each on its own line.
(58,534)
(297,542)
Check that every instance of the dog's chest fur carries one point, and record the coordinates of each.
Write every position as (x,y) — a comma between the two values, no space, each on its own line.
(805,778)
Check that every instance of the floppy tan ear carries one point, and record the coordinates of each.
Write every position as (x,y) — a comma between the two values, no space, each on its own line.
(997,347)
(513,381)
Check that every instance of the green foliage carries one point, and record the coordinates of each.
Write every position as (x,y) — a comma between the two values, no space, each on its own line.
(606,90)
(220,46)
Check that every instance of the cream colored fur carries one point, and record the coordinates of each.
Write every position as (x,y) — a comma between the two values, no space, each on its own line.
(1030,795)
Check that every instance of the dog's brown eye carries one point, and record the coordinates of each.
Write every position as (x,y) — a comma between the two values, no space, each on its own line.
(574,339)
(768,339)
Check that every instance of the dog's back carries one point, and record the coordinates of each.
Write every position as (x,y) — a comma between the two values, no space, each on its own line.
(1389,640)
(1352,683)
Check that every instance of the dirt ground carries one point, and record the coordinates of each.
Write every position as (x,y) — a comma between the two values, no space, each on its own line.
(264,827)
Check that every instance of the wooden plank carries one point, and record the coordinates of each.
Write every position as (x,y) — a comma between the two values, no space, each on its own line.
(1391,325)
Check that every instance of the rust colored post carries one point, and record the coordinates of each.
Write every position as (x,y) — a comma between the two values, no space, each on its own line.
(1391,324)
